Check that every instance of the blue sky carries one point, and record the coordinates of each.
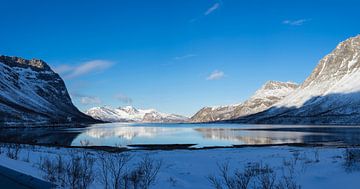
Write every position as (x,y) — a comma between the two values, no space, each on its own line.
(175,56)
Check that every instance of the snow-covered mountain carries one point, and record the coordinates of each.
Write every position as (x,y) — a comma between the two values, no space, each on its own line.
(270,93)
(32,93)
(131,114)
(330,95)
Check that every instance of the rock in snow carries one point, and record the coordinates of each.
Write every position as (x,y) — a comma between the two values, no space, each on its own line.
(131,114)
(330,95)
(265,97)
(32,93)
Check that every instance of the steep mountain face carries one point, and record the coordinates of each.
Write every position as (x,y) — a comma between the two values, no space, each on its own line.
(131,114)
(265,97)
(32,93)
(330,95)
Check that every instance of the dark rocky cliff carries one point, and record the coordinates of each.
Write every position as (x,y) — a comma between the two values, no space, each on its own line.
(31,92)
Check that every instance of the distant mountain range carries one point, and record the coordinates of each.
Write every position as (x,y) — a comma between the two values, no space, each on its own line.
(330,95)
(33,93)
(131,114)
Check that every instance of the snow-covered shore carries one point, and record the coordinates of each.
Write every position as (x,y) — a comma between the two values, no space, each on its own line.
(319,167)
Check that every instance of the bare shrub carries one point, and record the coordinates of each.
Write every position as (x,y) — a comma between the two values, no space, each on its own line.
(104,173)
(215,182)
(47,166)
(266,177)
(287,181)
(54,169)
(144,175)
(352,159)
(255,175)
(13,150)
(236,180)
(115,172)
(77,172)
(112,168)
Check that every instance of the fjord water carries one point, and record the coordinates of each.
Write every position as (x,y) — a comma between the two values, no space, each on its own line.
(201,135)
(208,135)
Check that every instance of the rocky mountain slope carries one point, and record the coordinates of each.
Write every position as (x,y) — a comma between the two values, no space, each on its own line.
(131,114)
(269,94)
(32,93)
(330,95)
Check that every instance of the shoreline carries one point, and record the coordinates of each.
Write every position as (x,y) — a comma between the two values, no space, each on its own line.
(188,147)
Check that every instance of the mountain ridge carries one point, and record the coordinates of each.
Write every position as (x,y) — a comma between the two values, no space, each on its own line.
(330,95)
(131,114)
(269,93)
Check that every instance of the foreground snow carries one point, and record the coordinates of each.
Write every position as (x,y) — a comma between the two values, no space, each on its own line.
(314,167)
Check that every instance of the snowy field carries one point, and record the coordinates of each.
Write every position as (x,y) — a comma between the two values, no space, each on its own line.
(318,167)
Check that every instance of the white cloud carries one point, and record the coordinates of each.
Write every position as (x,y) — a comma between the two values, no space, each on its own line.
(184,57)
(63,69)
(215,75)
(82,69)
(295,22)
(123,98)
(212,9)
(88,100)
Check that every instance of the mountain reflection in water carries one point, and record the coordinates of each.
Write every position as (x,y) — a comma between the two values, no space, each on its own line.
(204,135)
(213,134)
(252,138)
(129,133)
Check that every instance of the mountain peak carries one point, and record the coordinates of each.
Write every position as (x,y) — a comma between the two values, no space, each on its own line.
(271,84)
(129,109)
(14,61)
(274,88)
(343,60)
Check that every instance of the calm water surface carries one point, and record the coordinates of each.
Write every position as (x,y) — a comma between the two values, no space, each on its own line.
(205,135)
(202,135)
